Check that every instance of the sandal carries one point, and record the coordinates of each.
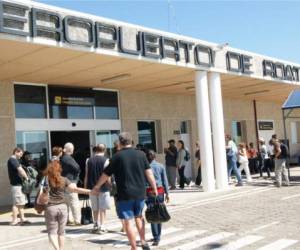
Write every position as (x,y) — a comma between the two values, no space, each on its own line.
(14,223)
(25,222)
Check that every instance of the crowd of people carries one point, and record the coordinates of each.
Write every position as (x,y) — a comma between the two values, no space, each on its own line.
(253,161)
(133,176)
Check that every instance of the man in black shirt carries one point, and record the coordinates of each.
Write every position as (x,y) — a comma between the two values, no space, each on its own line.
(131,169)
(16,173)
(171,156)
(71,170)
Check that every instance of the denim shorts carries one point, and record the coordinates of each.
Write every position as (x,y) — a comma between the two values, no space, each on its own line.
(130,209)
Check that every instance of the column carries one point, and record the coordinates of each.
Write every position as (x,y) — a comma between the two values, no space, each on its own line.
(204,130)
(217,120)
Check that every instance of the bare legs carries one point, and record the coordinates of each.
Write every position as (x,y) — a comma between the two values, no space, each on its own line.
(15,211)
(129,228)
(57,241)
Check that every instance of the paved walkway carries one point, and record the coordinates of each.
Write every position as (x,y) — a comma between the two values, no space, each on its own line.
(257,216)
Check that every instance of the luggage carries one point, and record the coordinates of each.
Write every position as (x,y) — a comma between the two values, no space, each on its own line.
(86,213)
(157,212)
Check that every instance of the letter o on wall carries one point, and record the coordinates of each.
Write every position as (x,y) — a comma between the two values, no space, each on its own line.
(79,31)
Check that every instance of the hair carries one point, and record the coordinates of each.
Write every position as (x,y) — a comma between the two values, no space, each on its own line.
(182,143)
(251,144)
(56,151)
(125,138)
(53,172)
(100,148)
(68,147)
(242,145)
(171,141)
(228,137)
(150,154)
(17,150)
(274,136)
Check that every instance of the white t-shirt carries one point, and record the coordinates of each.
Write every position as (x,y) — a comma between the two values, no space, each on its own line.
(232,145)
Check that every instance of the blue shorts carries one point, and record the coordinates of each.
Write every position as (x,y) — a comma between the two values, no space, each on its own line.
(130,209)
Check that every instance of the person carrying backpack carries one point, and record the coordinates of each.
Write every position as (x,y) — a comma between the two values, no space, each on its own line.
(281,154)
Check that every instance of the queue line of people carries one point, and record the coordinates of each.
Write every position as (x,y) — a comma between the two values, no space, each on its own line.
(133,172)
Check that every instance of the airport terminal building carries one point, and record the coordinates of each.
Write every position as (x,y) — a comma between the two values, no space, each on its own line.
(69,76)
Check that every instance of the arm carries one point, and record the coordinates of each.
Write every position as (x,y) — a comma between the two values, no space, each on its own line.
(278,150)
(22,172)
(86,176)
(151,180)
(103,178)
(165,183)
(72,188)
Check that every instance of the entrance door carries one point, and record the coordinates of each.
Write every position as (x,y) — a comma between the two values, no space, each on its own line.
(81,142)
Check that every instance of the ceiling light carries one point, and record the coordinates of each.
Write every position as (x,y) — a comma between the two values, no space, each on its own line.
(257,92)
(115,78)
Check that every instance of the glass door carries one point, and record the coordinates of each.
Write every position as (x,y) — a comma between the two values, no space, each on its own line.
(107,137)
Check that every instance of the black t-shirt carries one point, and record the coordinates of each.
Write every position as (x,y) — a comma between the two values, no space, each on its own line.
(128,167)
(13,174)
(171,158)
(70,168)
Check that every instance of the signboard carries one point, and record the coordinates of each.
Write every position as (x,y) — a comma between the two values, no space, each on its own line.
(265,125)
(74,101)
(29,21)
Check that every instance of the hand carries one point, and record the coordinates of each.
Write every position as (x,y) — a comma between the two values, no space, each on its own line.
(155,193)
(95,191)
(167,198)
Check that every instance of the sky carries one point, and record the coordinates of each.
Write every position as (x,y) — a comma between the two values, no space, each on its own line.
(270,28)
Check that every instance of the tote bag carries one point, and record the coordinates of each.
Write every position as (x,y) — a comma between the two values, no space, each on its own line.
(157,212)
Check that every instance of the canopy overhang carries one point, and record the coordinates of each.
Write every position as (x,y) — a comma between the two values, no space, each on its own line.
(37,63)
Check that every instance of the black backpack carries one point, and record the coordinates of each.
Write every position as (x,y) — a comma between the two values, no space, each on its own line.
(284,151)
(187,156)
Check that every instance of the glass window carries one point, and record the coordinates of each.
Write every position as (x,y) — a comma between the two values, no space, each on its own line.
(106,105)
(147,135)
(30,101)
(107,138)
(237,131)
(71,103)
(36,143)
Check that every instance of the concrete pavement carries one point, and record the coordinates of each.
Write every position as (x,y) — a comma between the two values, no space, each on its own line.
(256,216)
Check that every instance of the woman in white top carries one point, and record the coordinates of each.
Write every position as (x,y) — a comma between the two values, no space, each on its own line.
(181,163)
(243,160)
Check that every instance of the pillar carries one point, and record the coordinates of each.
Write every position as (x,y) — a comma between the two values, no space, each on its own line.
(204,130)
(217,121)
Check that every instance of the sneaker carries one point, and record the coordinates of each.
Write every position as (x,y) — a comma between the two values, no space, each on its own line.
(95,228)
(103,229)
(240,184)
(145,246)
(70,223)
(155,243)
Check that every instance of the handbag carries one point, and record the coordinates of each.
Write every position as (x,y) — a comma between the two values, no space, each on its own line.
(42,197)
(157,212)
(86,213)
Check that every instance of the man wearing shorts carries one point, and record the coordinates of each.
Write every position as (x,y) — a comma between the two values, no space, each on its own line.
(100,202)
(131,169)
(16,173)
